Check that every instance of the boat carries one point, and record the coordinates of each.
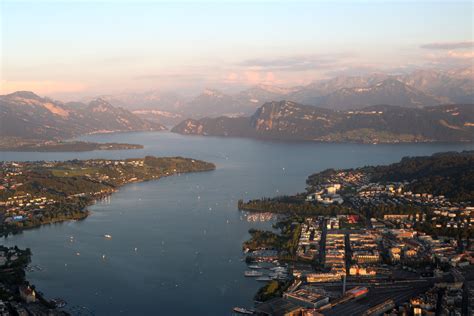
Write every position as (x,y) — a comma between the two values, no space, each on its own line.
(255,266)
(108,236)
(58,302)
(264,279)
(278,268)
(241,310)
(252,273)
(278,276)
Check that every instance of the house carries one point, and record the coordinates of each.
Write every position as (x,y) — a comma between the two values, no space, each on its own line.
(27,294)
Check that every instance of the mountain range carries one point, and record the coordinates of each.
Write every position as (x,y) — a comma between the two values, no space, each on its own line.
(26,115)
(287,120)
(420,88)
(373,108)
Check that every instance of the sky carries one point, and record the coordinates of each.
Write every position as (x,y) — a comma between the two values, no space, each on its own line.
(85,48)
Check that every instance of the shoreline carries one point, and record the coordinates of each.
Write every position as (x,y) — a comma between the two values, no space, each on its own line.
(69,146)
(85,212)
(41,302)
(318,141)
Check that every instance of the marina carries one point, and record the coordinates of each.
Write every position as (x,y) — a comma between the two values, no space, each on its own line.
(253,273)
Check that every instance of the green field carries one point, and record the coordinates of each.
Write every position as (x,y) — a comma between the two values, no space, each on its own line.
(73,172)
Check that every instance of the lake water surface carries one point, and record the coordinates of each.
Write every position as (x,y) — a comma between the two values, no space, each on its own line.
(176,242)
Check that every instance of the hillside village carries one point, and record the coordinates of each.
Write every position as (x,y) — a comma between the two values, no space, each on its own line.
(36,193)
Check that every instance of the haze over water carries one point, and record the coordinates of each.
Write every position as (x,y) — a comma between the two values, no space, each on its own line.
(176,242)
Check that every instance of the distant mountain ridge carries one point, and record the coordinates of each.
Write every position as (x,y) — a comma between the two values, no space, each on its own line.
(420,88)
(390,91)
(286,120)
(24,114)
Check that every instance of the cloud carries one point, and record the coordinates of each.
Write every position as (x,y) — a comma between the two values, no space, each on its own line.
(253,77)
(449,45)
(231,77)
(461,55)
(449,59)
(250,77)
(168,76)
(295,63)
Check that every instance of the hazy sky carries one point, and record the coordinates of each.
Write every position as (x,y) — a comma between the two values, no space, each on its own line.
(72,49)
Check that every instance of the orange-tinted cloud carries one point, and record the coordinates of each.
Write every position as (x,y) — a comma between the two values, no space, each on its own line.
(231,77)
(252,77)
(461,54)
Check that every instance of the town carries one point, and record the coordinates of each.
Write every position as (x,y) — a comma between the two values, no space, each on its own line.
(338,270)
(386,250)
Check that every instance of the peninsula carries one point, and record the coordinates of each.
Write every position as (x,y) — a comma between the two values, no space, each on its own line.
(36,193)
(24,145)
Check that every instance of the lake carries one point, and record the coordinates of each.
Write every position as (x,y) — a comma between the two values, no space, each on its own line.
(176,242)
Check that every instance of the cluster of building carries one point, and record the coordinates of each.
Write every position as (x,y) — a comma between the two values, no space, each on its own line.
(334,260)
(372,190)
(365,253)
(453,217)
(402,246)
(18,208)
(446,251)
(392,260)
(355,257)
(392,193)
(364,112)
(442,214)
(18,204)
(335,254)
(310,239)
(107,163)
(395,192)
(10,171)
(347,178)
(327,195)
